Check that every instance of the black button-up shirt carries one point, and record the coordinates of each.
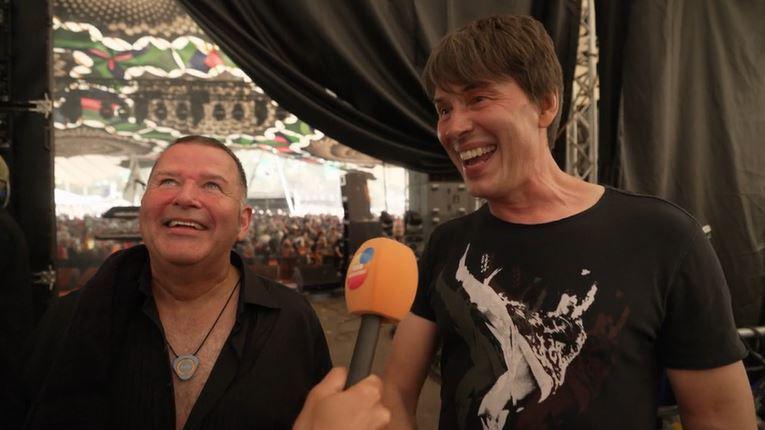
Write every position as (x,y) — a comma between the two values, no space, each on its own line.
(275,354)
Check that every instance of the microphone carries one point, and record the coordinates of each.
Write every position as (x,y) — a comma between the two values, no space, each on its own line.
(380,284)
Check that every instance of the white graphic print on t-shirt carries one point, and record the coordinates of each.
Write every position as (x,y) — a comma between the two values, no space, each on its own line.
(537,345)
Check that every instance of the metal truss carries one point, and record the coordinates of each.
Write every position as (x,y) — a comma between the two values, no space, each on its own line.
(582,126)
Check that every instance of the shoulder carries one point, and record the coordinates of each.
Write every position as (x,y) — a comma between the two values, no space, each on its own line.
(286,296)
(459,225)
(276,295)
(126,263)
(457,230)
(124,259)
(47,338)
(651,215)
(57,317)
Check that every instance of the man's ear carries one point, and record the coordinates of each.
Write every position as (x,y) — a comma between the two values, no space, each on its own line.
(548,109)
(245,217)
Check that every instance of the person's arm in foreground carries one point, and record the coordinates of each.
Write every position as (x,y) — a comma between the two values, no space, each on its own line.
(329,407)
(411,355)
(718,398)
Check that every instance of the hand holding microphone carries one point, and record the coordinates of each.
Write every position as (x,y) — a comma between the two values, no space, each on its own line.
(381,283)
(330,407)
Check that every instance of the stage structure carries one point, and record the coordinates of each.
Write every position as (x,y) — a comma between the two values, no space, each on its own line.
(582,127)
(25,131)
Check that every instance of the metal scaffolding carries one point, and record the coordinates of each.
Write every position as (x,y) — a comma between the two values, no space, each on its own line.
(582,126)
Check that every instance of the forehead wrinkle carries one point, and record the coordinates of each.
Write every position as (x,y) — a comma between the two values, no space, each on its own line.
(457,88)
(476,86)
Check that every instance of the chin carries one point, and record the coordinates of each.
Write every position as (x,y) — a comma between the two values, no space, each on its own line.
(177,258)
(478,189)
(184,260)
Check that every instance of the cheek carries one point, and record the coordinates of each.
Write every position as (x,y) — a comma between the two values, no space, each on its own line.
(442,130)
(146,215)
(149,209)
(152,205)
(449,151)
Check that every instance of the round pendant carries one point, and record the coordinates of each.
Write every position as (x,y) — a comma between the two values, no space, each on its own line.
(185,366)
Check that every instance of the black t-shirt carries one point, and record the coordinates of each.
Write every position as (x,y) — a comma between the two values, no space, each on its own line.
(567,324)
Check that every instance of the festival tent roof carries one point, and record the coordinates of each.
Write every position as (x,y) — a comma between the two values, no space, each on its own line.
(131,76)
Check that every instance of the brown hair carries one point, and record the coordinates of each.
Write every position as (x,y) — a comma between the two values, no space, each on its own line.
(511,46)
(214,143)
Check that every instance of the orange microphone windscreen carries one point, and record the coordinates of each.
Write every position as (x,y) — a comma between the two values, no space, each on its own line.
(381,279)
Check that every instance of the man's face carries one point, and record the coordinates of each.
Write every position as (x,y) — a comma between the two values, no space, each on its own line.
(494,134)
(192,211)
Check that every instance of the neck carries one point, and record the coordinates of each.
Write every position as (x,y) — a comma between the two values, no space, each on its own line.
(548,194)
(175,287)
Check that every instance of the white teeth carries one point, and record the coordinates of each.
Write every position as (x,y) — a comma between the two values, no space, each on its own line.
(175,223)
(476,152)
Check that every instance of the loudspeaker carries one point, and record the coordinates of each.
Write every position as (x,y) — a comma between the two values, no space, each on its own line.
(360,232)
(355,194)
(313,278)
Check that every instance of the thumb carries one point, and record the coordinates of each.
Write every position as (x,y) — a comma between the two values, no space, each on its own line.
(333,383)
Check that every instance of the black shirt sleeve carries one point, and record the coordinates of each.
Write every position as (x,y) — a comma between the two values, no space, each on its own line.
(426,277)
(698,330)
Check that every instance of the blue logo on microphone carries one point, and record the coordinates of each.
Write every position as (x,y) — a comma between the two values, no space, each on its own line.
(367,255)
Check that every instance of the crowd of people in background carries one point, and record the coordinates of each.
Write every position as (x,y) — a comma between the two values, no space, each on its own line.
(276,245)
(310,239)
(80,241)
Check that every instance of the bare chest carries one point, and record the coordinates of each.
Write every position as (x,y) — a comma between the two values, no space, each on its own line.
(185,339)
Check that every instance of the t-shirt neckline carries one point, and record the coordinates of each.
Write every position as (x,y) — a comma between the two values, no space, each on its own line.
(571,218)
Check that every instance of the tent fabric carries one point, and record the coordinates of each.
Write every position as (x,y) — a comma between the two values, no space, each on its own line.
(692,126)
(612,21)
(351,68)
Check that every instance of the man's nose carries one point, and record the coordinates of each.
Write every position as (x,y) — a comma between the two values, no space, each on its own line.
(459,126)
(188,195)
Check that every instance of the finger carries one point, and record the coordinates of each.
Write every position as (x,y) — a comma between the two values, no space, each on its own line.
(369,388)
(379,417)
(373,381)
(331,384)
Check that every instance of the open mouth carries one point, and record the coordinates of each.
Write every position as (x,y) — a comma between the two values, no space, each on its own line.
(182,224)
(477,155)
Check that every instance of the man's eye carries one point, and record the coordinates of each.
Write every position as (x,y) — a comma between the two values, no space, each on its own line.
(443,110)
(212,186)
(478,99)
(167,181)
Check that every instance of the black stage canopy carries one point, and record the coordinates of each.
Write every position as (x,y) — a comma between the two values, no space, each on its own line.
(351,68)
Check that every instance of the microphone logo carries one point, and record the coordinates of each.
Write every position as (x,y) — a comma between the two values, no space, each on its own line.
(357,272)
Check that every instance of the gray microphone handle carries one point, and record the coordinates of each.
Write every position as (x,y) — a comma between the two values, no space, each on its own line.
(364,351)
